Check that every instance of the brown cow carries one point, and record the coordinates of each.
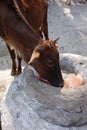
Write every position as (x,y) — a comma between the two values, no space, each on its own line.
(18,34)
(29,11)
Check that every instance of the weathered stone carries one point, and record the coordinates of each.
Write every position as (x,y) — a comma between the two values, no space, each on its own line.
(30,104)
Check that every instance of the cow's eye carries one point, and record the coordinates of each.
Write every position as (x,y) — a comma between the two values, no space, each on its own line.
(50,63)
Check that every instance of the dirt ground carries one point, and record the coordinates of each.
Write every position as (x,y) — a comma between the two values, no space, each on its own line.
(67,22)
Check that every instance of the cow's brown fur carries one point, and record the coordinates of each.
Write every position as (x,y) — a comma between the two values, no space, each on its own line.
(24,38)
(36,15)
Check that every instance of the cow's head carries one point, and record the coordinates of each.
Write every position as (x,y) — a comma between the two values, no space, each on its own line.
(45,60)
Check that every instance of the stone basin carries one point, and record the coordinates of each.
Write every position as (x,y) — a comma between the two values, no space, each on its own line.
(30,104)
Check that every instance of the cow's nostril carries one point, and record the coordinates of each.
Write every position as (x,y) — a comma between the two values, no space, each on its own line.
(61,85)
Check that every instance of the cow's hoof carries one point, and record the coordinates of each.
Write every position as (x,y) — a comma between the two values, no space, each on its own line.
(18,72)
(13,73)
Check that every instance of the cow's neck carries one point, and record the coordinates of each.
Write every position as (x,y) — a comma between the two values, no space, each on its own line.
(24,40)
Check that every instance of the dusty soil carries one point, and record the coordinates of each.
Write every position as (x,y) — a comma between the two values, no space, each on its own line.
(67,22)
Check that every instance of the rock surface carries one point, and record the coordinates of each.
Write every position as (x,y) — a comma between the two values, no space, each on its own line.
(30,104)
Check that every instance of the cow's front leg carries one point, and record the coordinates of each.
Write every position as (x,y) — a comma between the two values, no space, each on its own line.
(44,27)
(12,54)
(19,68)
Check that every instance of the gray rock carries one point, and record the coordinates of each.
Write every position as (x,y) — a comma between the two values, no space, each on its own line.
(50,2)
(30,104)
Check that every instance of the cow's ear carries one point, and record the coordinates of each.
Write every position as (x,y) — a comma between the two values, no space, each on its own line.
(40,49)
(34,56)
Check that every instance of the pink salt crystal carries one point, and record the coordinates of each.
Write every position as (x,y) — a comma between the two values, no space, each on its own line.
(73,81)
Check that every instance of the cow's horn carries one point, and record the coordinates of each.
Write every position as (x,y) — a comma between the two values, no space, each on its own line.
(55,40)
